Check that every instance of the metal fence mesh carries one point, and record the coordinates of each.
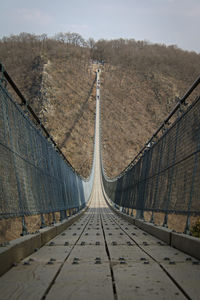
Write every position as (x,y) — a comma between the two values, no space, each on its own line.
(167,177)
(34,178)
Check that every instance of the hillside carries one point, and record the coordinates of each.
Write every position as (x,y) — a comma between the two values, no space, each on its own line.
(56,79)
(141,82)
(68,112)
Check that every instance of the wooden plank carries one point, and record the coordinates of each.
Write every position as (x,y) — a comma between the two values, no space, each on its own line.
(27,281)
(92,238)
(71,234)
(117,238)
(183,268)
(44,254)
(166,253)
(137,280)
(69,238)
(83,281)
(129,253)
(187,276)
(138,235)
(88,253)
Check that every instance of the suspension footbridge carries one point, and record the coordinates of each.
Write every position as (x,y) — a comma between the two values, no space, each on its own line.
(108,251)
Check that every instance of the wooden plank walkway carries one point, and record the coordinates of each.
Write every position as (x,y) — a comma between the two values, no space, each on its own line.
(102,256)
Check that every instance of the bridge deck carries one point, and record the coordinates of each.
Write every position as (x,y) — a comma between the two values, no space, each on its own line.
(103,256)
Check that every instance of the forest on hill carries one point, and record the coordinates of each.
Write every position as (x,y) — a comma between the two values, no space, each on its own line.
(140,84)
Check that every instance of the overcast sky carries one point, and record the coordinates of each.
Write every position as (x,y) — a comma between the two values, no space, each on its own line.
(170,22)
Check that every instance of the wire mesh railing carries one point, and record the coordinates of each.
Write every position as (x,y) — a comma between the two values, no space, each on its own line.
(35,177)
(165,175)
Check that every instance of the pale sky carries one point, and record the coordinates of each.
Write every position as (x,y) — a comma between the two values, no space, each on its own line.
(171,22)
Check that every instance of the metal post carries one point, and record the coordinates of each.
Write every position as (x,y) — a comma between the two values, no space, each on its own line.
(61,216)
(152,217)
(160,150)
(170,176)
(165,220)
(24,227)
(187,225)
(42,221)
(54,218)
(140,214)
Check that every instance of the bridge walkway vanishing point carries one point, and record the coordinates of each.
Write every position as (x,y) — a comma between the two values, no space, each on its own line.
(102,256)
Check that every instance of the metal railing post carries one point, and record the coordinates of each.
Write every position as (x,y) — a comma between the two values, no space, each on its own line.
(42,221)
(171,174)
(140,214)
(24,227)
(152,217)
(62,215)
(165,220)
(54,218)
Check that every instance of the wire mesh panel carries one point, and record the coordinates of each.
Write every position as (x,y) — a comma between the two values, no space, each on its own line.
(167,176)
(34,178)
